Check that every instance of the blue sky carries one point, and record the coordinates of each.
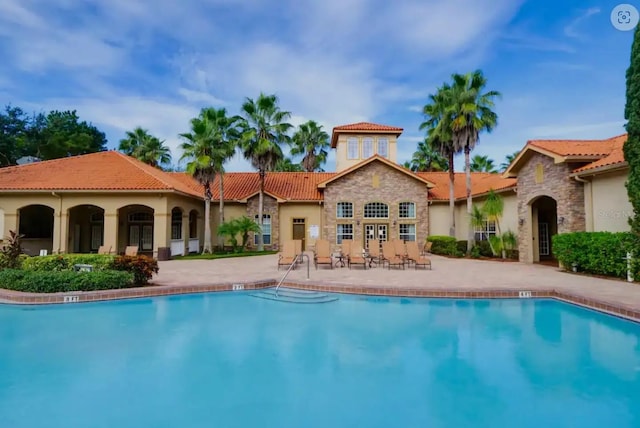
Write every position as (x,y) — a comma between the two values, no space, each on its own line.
(122,63)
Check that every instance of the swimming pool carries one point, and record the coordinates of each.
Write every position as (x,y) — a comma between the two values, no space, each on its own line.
(231,360)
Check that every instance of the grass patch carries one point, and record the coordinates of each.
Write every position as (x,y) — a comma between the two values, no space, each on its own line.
(224,255)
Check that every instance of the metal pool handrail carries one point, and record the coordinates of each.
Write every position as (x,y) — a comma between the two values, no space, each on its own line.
(295,260)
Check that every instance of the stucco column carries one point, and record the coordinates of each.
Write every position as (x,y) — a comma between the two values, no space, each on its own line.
(10,223)
(60,233)
(110,232)
(185,232)
(161,231)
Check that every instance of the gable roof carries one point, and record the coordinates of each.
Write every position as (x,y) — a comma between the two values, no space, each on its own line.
(481,183)
(615,158)
(284,186)
(101,171)
(367,161)
(591,151)
(362,127)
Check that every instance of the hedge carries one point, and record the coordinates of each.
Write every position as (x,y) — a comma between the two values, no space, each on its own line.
(600,253)
(63,281)
(444,245)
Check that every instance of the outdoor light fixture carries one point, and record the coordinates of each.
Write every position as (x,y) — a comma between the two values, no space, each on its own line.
(561,220)
(358,222)
(521,221)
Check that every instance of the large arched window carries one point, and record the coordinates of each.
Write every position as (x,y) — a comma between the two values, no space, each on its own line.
(376,210)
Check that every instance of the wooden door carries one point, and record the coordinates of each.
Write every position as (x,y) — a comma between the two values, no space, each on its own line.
(299,231)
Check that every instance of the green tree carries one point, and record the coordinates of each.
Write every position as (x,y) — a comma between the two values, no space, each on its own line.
(14,124)
(287,165)
(508,160)
(437,124)
(245,226)
(481,163)
(631,147)
(311,141)
(491,210)
(145,147)
(471,111)
(427,159)
(229,229)
(264,131)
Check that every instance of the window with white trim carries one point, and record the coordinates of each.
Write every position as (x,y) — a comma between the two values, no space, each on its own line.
(407,232)
(266,230)
(383,147)
(343,231)
(406,210)
(344,210)
(376,210)
(176,224)
(483,232)
(352,148)
(367,148)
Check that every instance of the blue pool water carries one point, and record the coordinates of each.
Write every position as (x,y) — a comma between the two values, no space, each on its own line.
(231,360)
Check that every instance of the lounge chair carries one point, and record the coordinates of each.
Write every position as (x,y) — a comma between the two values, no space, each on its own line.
(427,248)
(298,243)
(345,249)
(322,254)
(131,250)
(399,248)
(389,255)
(413,254)
(356,257)
(103,249)
(288,254)
(374,252)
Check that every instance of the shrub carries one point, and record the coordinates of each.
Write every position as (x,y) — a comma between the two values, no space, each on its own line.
(65,262)
(475,252)
(11,251)
(63,281)
(142,267)
(444,245)
(461,247)
(600,253)
(484,249)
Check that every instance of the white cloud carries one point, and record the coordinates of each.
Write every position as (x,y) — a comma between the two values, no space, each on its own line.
(200,97)
(571,29)
(578,130)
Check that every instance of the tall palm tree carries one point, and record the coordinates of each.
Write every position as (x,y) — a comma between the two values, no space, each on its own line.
(264,130)
(508,160)
(209,144)
(481,163)
(471,111)
(145,147)
(311,141)
(438,127)
(287,165)
(426,159)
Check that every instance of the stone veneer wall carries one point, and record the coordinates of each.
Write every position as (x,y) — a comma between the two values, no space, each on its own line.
(556,183)
(358,187)
(271,208)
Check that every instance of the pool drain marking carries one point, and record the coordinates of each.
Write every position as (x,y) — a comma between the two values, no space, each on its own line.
(524,294)
(237,287)
(71,299)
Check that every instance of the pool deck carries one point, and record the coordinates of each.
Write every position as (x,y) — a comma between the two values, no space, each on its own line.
(463,278)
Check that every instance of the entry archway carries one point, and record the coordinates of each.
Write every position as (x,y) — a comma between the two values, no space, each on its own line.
(544,225)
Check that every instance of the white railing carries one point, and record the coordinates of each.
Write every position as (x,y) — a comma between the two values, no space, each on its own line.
(194,245)
(177,247)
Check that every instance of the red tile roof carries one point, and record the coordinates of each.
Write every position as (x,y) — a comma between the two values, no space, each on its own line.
(108,170)
(363,127)
(614,157)
(481,183)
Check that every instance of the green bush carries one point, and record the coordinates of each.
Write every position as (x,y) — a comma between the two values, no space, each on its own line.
(461,247)
(63,281)
(142,267)
(484,249)
(444,245)
(62,262)
(600,253)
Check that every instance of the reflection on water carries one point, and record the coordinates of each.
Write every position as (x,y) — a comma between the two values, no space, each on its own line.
(232,360)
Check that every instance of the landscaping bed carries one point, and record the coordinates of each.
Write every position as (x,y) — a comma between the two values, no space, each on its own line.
(211,256)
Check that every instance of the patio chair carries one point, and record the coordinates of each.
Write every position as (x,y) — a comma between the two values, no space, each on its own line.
(356,257)
(288,254)
(322,254)
(399,248)
(131,250)
(389,255)
(427,248)
(345,249)
(298,243)
(375,256)
(413,254)
(103,249)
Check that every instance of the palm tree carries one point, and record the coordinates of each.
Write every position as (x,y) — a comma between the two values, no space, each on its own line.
(471,113)
(508,160)
(264,130)
(438,127)
(427,159)
(287,165)
(145,147)
(494,208)
(311,141)
(482,164)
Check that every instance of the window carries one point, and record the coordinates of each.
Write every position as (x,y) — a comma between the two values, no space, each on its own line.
(266,230)
(140,217)
(367,148)
(344,231)
(352,148)
(407,232)
(407,210)
(176,224)
(488,229)
(376,210)
(193,225)
(383,147)
(344,210)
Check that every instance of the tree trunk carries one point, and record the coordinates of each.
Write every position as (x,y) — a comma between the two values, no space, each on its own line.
(221,211)
(206,248)
(452,198)
(467,170)
(260,210)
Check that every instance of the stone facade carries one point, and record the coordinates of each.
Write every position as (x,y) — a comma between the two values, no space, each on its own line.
(375,182)
(540,176)
(270,208)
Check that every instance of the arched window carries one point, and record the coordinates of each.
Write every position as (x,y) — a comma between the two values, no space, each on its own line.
(176,223)
(376,210)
